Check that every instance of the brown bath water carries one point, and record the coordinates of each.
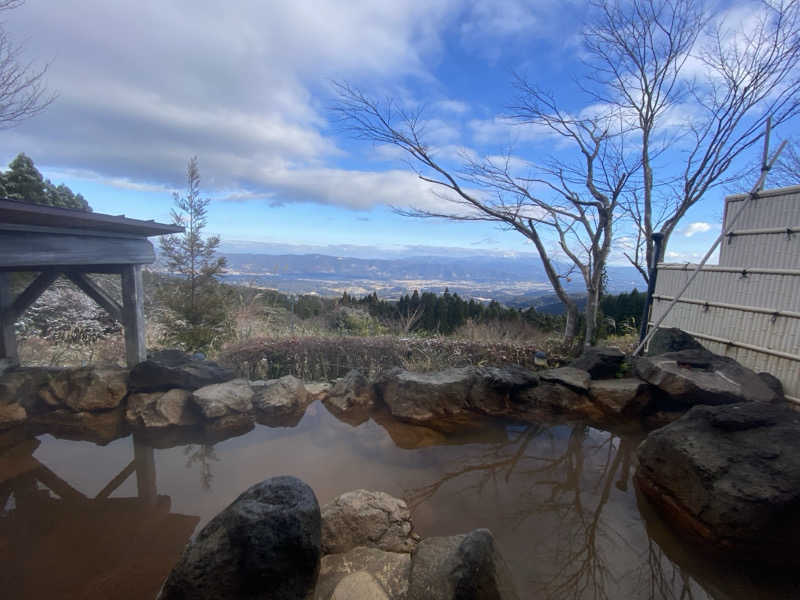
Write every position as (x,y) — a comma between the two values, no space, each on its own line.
(78,520)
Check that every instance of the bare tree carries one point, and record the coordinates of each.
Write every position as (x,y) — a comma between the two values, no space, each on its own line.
(699,86)
(22,88)
(787,169)
(574,204)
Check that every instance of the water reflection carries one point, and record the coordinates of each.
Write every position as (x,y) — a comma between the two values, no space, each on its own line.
(676,570)
(86,521)
(59,542)
(202,456)
(561,478)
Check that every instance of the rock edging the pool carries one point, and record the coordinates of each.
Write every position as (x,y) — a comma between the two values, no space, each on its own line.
(179,394)
(172,389)
(275,542)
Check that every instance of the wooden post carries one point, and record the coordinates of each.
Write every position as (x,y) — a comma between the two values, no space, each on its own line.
(144,460)
(8,340)
(133,314)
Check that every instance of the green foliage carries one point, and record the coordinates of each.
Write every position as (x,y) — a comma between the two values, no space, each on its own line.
(445,313)
(622,312)
(347,320)
(196,303)
(24,182)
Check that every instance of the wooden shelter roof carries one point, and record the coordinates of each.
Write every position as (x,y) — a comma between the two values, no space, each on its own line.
(23,215)
(62,241)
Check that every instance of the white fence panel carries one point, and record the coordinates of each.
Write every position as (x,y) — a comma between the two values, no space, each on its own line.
(773,289)
(773,209)
(778,249)
(747,307)
(753,316)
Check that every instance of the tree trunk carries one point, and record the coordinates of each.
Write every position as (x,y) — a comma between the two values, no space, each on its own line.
(592,304)
(571,326)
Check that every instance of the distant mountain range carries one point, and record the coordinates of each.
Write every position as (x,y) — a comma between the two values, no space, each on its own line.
(511,280)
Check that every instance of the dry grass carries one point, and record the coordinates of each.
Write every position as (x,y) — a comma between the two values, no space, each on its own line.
(327,357)
(627,342)
(40,352)
(502,332)
(269,341)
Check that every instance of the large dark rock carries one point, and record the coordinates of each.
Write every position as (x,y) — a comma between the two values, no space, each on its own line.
(169,369)
(266,544)
(671,339)
(551,397)
(461,567)
(692,377)
(449,399)
(426,397)
(572,377)
(774,384)
(600,362)
(625,397)
(729,475)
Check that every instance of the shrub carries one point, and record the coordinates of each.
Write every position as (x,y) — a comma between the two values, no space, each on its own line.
(326,358)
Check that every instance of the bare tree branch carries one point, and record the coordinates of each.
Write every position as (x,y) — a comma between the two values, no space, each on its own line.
(640,52)
(574,205)
(23,93)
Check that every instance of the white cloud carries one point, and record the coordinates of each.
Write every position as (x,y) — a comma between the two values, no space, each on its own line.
(683,256)
(485,24)
(698,227)
(502,130)
(144,86)
(437,131)
(451,106)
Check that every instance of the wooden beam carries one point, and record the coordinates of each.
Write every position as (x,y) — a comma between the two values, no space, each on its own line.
(32,292)
(133,314)
(34,250)
(8,340)
(52,481)
(117,481)
(90,268)
(96,293)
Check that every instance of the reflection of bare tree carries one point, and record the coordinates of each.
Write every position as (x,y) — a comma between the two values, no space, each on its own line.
(201,454)
(496,461)
(584,571)
(666,580)
(557,482)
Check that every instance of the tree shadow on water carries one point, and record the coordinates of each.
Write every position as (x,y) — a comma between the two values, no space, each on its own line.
(562,483)
(202,455)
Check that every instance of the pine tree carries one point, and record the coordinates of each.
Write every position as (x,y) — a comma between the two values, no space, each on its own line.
(24,182)
(196,304)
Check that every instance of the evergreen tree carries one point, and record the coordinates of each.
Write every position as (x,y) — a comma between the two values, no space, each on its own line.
(24,182)
(197,314)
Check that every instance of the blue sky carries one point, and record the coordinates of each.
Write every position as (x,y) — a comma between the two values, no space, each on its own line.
(246,87)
